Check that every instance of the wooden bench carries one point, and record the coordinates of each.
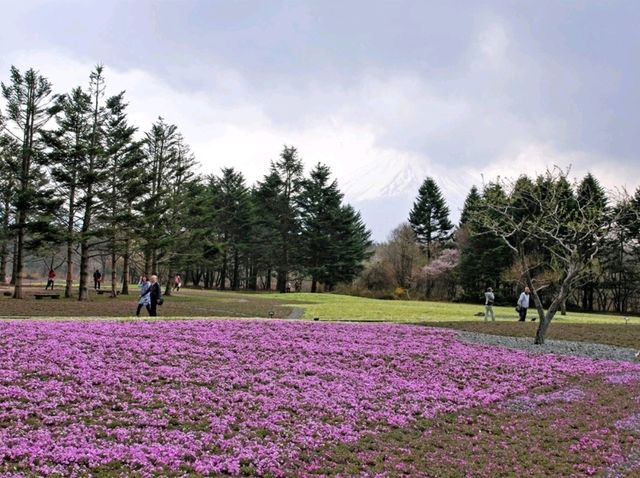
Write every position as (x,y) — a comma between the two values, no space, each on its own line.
(40,295)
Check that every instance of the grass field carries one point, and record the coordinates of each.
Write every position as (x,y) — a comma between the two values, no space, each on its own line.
(189,303)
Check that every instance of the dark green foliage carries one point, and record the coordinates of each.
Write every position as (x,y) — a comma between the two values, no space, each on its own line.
(30,104)
(429,216)
(483,255)
(470,205)
(333,240)
(288,175)
(234,218)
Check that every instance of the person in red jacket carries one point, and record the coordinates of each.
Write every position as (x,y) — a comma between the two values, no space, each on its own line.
(50,278)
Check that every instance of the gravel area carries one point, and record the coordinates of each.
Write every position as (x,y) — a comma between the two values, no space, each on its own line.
(563,347)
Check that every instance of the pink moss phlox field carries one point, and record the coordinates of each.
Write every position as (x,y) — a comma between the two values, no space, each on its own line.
(235,396)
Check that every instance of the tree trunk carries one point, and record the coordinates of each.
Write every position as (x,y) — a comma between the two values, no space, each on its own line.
(167,289)
(83,287)
(18,292)
(69,279)
(114,259)
(126,267)
(236,270)
(14,264)
(223,271)
(314,283)
(4,249)
(4,260)
(267,282)
(281,283)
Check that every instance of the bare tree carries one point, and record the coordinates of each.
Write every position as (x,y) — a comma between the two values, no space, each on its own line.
(543,218)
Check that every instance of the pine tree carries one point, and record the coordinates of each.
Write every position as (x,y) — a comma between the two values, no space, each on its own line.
(9,154)
(91,177)
(289,173)
(483,255)
(29,106)
(68,148)
(121,184)
(470,204)
(320,210)
(267,238)
(160,148)
(592,199)
(176,251)
(233,220)
(351,245)
(429,216)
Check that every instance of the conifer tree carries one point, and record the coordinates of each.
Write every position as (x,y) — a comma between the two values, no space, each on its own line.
(121,183)
(288,170)
(9,153)
(320,209)
(233,220)
(29,107)
(429,216)
(68,147)
(470,204)
(592,199)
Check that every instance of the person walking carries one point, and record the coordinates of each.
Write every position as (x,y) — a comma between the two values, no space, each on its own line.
(489,299)
(145,294)
(155,296)
(97,278)
(51,277)
(523,305)
(177,282)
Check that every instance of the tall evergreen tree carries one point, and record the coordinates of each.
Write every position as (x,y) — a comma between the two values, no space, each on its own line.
(160,148)
(29,106)
(267,242)
(176,251)
(470,205)
(91,176)
(429,216)
(288,170)
(592,199)
(233,219)
(483,255)
(122,182)
(320,205)
(9,154)
(68,146)
(351,245)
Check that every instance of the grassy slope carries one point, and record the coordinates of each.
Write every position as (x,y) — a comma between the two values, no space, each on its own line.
(342,307)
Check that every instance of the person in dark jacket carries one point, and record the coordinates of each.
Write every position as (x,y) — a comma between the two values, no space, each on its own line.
(97,278)
(155,296)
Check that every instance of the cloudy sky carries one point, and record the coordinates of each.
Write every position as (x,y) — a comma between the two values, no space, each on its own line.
(384,92)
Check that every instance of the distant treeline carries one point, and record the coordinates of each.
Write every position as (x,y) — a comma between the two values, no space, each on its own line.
(573,243)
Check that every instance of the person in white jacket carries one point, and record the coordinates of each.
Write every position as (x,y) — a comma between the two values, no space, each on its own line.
(523,304)
(489,299)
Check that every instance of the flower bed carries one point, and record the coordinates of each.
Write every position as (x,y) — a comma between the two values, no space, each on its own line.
(238,397)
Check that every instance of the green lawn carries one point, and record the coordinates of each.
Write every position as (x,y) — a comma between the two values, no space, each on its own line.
(349,308)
